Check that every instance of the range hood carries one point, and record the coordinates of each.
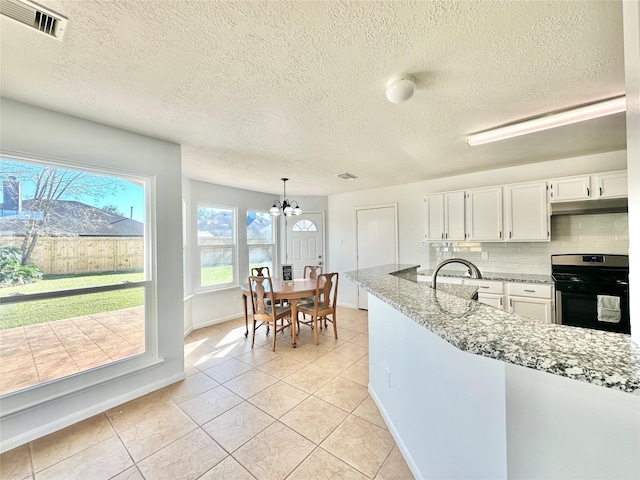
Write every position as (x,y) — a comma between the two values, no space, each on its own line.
(585,207)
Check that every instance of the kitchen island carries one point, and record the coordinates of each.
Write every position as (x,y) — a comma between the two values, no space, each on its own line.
(469,391)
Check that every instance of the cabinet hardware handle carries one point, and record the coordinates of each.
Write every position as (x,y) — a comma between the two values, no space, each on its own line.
(527,290)
(509,234)
(587,191)
(446,235)
(442,235)
(600,191)
(511,302)
(484,286)
(500,233)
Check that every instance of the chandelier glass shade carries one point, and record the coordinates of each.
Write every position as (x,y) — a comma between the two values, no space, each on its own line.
(285,207)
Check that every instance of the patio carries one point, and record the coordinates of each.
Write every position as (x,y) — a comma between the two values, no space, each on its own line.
(43,352)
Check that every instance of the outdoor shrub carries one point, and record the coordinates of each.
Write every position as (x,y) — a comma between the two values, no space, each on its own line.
(12,272)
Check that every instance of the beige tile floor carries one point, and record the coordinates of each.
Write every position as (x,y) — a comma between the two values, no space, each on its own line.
(301,413)
(46,351)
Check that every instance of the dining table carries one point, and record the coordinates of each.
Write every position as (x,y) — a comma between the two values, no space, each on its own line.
(292,291)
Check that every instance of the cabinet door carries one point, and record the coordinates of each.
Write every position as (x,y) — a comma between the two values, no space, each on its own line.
(572,188)
(527,216)
(535,308)
(454,216)
(612,184)
(495,301)
(484,214)
(435,217)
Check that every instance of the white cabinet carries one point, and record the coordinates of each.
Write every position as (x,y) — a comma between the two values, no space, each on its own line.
(570,188)
(589,187)
(454,228)
(484,214)
(434,205)
(611,185)
(531,300)
(490,292)
(526,212)
(445,216)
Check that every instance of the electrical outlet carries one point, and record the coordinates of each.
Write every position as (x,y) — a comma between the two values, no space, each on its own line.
(485,255)
(388,379)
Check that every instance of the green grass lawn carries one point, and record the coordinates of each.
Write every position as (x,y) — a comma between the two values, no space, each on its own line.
(210,276)
(40,311)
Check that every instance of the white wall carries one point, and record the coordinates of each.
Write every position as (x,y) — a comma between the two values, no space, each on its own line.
(37,132)
(631,17)
(207,307)
(411,212)
(444,407)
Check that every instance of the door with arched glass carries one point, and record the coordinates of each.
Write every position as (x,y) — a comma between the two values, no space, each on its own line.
(305,241)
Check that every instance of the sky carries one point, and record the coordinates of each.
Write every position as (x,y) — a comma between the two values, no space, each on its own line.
(126,196)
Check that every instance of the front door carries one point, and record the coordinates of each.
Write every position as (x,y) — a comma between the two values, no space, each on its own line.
(305,241)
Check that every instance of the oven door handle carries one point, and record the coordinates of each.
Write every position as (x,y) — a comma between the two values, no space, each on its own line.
(558,307)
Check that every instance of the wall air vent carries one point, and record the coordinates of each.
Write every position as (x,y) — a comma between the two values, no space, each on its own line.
(34,16)
(346,176)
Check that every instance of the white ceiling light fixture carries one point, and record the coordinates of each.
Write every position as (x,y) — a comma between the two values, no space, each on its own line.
(286,206)
(538,124)
(400,88)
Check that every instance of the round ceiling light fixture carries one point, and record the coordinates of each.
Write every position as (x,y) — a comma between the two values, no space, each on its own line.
(400,88)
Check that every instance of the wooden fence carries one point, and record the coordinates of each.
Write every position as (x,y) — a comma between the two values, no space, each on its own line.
(60,255)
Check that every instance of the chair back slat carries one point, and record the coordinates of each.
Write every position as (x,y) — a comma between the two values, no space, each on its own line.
(260,272)
(312,271)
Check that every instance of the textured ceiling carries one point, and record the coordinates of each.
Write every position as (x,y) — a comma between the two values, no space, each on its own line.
(259,90)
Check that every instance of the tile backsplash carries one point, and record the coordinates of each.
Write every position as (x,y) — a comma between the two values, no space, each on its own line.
(596,233)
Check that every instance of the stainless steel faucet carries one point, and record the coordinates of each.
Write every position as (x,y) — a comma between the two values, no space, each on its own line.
(473,270)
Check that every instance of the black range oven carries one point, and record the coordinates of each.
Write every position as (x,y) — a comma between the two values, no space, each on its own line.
(592,291)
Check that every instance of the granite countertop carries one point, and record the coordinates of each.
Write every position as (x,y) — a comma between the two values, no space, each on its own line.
(503,277)
(602,358)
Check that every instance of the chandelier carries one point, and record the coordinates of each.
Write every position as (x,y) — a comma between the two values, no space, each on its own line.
(286,207)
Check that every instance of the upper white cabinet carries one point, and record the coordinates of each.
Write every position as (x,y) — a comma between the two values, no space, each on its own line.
(571,188)
(445,216)
(610,185)
(434,205)
(454,216)
(588,187)
(526,212)
(484,214)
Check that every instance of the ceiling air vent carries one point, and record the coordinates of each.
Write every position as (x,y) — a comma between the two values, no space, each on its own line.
(35,16)
(346,176)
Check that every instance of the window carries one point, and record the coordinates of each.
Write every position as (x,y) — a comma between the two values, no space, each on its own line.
(304,226)
(74,274)
(260,239)
(217,245)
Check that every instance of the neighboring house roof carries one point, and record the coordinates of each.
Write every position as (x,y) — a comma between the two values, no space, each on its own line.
(69,218)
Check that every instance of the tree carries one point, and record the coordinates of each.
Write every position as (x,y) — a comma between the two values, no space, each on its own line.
(113,210)
(51,183)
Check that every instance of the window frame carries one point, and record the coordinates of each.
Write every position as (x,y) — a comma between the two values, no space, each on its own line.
(201,248)
(262,245)
(24,398)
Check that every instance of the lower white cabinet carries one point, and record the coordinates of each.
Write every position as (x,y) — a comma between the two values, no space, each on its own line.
(496,301)
(531,300)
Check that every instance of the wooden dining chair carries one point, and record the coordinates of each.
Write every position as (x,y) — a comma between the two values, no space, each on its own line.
(323,304)
(265,313)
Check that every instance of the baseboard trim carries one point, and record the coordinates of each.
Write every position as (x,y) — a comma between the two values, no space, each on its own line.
(396,436)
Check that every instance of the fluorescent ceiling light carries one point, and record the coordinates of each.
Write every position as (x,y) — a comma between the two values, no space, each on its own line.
(567,117)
